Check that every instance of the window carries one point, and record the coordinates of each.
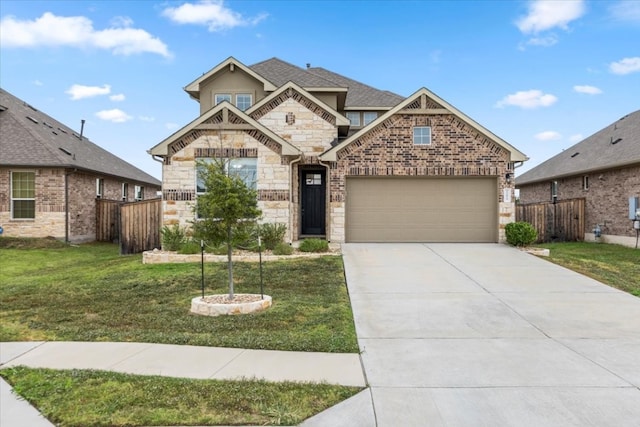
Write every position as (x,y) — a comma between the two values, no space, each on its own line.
(422,135)
(220,97)
(99,187)
(368,117)
(585,182)
(139,193)
(125,191)
(23,195)
(244,167)
(243,101)
(554,191)
(354,118)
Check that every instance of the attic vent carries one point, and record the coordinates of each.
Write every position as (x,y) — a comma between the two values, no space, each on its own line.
(32,119)
(62,130)
(54,132)
(76,135)
(67,152)
(31,106)
(574,154)
(3,108)
(47,125)
(616,141)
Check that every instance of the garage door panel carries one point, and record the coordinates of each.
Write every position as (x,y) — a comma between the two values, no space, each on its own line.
(421,210)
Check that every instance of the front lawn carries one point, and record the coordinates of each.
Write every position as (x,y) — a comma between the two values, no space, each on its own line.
(615,265)
(91,293)
(81,398)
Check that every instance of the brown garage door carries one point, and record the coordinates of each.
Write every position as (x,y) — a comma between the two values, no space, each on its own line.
(421,209)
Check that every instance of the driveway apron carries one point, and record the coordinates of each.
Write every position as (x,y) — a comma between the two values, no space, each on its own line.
(487,335)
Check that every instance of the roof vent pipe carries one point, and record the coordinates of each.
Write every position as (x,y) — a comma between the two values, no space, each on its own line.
(308,65)
(81,128)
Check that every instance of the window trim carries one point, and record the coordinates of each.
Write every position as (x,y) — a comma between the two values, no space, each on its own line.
(13,199)
(418,139)
(364,117)
(554,191)
(99,188)
(125,191)
(585,182)
(138,194)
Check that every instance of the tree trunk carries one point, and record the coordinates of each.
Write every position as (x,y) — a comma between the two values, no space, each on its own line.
(230,265)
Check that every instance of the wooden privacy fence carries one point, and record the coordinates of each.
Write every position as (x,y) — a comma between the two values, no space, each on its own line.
(135,225)
(560,221)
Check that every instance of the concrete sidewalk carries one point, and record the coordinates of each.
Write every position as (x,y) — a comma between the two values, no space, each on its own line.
(172,361)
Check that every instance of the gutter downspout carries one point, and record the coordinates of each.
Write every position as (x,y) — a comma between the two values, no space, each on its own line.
(327,209)
(291,197)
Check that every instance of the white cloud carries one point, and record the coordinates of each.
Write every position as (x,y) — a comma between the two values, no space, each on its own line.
(625,66)
(589,90)
(171,126)
(528,99)
(115,116)
(81,91)
(211,13)
(146,119)
(38,83)
(544,15)
(626,10)
(576,138)
(78,31)
(548,135)
(117,98)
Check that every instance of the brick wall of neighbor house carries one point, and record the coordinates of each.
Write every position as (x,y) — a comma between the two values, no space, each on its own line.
(388,150)
(179,176)
(49,203)
(606,199)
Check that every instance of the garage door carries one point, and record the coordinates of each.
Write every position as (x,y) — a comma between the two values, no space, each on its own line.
(421,209)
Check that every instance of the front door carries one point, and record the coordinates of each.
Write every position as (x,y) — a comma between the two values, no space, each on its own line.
(312,202)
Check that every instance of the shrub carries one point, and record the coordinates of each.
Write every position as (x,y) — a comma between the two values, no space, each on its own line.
(172,237)
(282,249)
(272,234)
(314,245)
(189,247)
(520,233)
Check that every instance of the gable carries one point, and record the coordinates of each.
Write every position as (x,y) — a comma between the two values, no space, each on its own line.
(222,117)
(425,103)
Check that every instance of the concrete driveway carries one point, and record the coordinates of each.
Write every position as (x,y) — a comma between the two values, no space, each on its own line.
(486,335)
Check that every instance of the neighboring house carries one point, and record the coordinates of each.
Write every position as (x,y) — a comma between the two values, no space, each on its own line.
(50,176)
(334,158)
(604,169)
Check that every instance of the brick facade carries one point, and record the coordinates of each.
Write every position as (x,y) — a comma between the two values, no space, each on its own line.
(50,203)
(606,199)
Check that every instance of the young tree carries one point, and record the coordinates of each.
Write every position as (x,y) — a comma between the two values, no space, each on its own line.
(226,210)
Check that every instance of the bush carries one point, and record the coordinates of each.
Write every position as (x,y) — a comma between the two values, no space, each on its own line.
(520,233)
(283,249)
(189,247)
(272,234)
(172,237)
(314,245)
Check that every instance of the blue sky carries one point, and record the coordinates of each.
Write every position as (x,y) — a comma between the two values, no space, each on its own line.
(540,74)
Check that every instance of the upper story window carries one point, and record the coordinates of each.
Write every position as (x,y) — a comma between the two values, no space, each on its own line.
(422,135)
(243,101)
(23,195)
(368,117)
(139,193)
(220,97)
(354,117)
(244,167)
(99,187)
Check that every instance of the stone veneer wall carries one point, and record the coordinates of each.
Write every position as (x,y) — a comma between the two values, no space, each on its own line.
(388,150)
(606,199)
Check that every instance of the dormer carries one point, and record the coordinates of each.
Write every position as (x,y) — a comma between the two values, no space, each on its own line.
(229,81)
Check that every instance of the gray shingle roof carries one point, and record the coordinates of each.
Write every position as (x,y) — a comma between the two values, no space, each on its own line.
(616,145)
(359,94)
(29,137)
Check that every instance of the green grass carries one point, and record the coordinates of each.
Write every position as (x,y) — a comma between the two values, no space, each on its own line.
(92,398)
(91,293)
(615,265)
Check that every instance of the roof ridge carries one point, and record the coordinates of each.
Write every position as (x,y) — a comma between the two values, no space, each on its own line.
(353,80)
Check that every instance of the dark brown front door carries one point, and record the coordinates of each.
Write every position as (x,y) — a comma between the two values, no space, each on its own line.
(312,202)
